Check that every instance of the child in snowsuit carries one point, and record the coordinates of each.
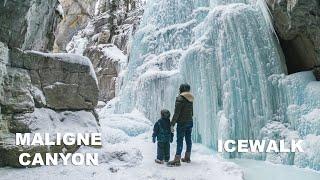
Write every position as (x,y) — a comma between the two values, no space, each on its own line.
(162,133)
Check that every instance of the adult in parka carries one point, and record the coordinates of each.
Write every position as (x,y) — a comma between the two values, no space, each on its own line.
(183,113)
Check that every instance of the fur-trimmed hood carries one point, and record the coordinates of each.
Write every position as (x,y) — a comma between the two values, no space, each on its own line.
(188,96)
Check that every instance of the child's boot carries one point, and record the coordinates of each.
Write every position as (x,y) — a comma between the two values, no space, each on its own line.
(158,161)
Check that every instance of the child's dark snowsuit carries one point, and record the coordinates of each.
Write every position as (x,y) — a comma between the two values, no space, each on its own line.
(162,133)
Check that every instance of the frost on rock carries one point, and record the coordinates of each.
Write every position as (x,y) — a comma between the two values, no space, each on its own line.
(108,60)
(78,44)
(113,53)
(69,58)
(38,97)
(59,9)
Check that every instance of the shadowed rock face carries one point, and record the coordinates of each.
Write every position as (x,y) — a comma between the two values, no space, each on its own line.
(28,24)
(297,23)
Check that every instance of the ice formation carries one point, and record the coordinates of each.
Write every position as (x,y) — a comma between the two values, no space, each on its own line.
(228,52)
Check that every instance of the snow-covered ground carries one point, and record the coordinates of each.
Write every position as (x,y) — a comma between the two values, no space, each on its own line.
(128,153)
(263,170)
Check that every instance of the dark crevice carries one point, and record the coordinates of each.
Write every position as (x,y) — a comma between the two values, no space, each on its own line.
(299,57)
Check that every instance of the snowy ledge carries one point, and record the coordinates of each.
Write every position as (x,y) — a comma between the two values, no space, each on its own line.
(69,58)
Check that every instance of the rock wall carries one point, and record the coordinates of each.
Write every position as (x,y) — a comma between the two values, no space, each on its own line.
(107,60)
(297,23)
(40,92)
(107,50)
(75,16)
(28,24)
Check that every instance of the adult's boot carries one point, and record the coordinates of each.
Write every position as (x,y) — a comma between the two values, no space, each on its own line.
(186,157)
(175,162)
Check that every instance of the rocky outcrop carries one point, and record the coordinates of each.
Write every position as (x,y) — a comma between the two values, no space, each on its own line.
(40,92)
(107,60)
(45,92)
(75,16)
(67,81)
(17,96)
(107,49)
(28,24)
(297,23)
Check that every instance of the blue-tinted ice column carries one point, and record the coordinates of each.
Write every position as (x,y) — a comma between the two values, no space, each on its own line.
(152,78)
(228,67)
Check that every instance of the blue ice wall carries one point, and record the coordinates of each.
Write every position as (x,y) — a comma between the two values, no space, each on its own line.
(227,51)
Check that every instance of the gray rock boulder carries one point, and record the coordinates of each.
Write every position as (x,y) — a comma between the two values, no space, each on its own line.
(67,81)
(44,120)
(298,26)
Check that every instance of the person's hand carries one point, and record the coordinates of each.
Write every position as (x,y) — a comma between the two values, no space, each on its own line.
(153,139)
(172,129)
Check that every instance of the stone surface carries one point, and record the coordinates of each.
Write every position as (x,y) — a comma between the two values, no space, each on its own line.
(297,23)
(4,58)
(106,67)
(316,72)
(76,15)
(28,24)
(107,50)
(67,81)
(41,92)
(17,96)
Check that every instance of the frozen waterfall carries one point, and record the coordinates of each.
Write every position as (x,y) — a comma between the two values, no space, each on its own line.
(229,54)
